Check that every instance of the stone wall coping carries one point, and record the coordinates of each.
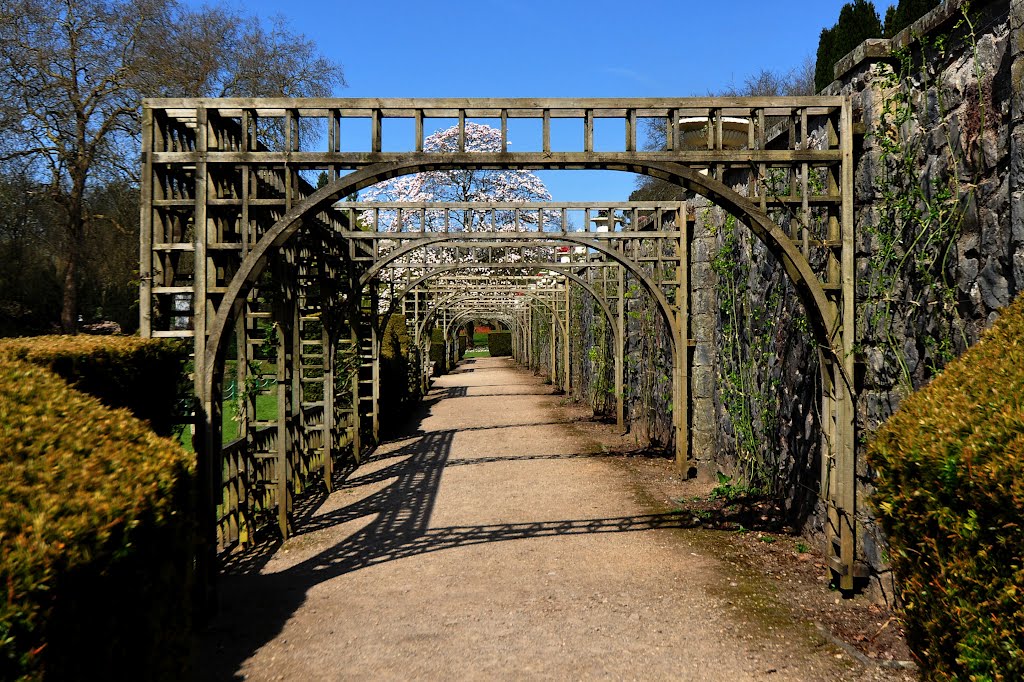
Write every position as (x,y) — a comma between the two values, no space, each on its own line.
(874,49)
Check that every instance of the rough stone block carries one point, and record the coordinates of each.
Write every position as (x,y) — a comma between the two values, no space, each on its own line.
(702,384)
(995,290)
(1017,217)
(704,419)
(702,275)
(703,301)
(704,354)
(703,250)
(704,445)
(967,274)
(1018,269)
(994,233)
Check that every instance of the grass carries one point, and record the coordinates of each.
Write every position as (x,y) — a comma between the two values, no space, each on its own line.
(478,352)
(266,410)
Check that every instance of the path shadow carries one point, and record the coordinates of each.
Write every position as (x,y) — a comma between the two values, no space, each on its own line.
(255,606)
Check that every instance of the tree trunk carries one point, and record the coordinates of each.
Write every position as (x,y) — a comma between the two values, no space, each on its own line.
(74,231)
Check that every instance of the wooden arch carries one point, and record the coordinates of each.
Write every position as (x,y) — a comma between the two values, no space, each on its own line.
(194,151)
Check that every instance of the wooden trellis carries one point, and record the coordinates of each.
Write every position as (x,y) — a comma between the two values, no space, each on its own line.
(240,249)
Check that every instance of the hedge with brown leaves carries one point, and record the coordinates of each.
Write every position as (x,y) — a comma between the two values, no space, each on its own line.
(950,494)
(97,530)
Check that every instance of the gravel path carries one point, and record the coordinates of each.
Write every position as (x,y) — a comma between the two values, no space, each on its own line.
(495,543)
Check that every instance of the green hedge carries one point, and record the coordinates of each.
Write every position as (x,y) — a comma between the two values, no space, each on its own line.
(144,375)
(96,525)
(499,344)
(437,352)
(396,390)
(950,494)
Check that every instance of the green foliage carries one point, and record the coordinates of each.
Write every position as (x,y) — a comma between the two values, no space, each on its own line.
(906,12)
(499,344)
(396,361)
(747,389)
(919,220)
(146,376)
(950,495)
(858,21)
(437,351)
(96,525)
(730,491)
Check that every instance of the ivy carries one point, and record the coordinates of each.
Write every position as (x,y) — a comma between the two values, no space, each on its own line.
(919,220)
(748,391)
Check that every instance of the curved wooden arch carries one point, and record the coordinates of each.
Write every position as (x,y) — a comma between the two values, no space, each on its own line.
(559,267)
(461,296)
(823,319)
(522,239)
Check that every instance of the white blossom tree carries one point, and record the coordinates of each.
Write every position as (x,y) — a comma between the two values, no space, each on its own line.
(460,185)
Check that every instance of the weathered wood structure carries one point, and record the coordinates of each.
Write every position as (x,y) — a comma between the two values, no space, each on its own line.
(241,253)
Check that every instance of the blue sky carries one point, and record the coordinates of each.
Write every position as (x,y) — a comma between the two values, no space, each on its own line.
(556,48)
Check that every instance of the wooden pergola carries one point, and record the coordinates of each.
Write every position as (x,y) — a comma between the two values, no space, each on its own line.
(243,255)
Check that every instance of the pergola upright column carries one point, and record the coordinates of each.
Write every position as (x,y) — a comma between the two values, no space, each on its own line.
(620,349)
(568,340)
(553,350)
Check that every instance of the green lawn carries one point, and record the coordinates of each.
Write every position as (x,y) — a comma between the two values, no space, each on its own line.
(266,410)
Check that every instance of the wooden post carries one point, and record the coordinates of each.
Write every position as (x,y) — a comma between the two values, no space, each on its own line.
(553,354)
(330,365)
(620,350)
(847,409)
(568,340)
(146,228)
(283,387)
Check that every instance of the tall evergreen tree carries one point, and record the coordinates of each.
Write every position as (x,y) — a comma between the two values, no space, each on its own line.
(906,12)
(858,21)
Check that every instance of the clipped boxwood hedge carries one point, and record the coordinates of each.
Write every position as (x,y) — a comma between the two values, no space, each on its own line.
(950,495)
(499,344)
(143,375)
(438,353)
(396,390)
(97,530)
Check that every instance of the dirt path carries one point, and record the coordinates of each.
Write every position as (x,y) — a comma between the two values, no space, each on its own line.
(495,543)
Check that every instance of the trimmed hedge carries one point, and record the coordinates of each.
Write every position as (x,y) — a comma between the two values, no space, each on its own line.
(144,375)
(499,344)
(437,352)
(950,495)
(96,525)
(396,390)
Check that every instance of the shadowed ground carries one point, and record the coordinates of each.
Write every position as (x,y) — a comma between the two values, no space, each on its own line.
(493,541)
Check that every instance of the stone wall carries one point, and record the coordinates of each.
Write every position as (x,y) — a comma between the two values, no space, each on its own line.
(939,212)
(940,238)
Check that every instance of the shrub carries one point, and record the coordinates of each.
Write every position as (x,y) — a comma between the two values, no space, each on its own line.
(437,352)
(96,526)
(950,494)
(395,389)
(499,344)
(145,376)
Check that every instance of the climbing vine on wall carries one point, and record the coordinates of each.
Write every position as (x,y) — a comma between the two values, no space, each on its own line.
(910,310)
(748,388)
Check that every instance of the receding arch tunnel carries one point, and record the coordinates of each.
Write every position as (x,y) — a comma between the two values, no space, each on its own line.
(197,154)
(819,312)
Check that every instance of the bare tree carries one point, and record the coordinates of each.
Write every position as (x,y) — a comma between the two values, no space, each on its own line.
(74,73)
(763,83)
